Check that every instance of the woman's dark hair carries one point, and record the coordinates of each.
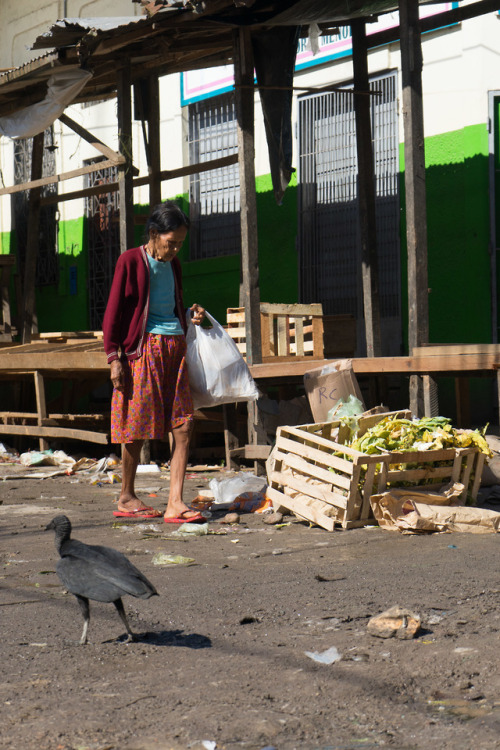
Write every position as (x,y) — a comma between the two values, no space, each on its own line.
(166,217)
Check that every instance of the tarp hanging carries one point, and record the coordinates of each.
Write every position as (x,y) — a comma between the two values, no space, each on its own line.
(62,88)
(274,58)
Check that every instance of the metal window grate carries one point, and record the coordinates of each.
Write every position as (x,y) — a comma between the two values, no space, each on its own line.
(214,196)
(329,249)
(103,226)
(47,264)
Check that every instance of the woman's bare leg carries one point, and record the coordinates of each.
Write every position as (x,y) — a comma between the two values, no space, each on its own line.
(131,452)
(178,462)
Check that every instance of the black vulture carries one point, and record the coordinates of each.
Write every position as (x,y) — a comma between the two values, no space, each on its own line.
(94,572)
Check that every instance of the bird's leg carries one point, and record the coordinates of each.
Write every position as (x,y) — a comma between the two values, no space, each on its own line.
(119,608)
(84,606)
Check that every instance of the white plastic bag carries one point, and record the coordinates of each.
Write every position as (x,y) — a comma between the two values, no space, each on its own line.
(218,374)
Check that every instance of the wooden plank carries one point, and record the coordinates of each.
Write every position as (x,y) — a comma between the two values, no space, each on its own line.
(436,350)
(231,435)
(293,309)
(253,451)
(113,156)
(303,510)
(249,288)
(330,444)
(478,470)
(367,491)
(316,472)
(287,449)
(36,183)
(54,432)
(169,174)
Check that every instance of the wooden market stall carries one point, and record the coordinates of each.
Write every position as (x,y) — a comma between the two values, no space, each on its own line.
(174,37)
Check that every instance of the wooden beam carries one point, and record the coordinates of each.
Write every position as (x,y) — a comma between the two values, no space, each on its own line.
(366,191)
(93,140)
(125,176)
(414,150)
(437,21)
(249,280)
(54,432)
(42,181)
(32,240)
(167,174)
(154,149)
(41,406)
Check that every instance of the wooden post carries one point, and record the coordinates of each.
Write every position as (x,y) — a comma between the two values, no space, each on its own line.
(32,241)
(416,213)
(366,190)
(153,117)
(125,174)
(249,286)
(41,406)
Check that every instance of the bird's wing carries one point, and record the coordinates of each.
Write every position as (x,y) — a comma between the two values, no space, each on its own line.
(103,572)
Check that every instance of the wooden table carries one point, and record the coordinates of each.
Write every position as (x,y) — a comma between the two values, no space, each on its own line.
(82,358)
(71,357)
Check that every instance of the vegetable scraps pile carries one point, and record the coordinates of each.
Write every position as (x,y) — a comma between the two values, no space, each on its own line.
(428,433)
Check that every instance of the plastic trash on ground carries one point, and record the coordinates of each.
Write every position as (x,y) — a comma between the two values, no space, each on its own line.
(161,558)
(47,458)
(329,656)
(226,491)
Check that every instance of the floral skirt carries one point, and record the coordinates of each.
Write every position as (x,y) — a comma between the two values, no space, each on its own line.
(156,397)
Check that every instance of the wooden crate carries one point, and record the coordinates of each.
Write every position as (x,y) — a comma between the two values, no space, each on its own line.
(312,473)
(287,330)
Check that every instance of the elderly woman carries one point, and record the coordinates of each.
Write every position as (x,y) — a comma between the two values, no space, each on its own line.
(144,330)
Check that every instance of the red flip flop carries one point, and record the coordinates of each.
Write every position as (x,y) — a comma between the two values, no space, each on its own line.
(139,513)
(182,519)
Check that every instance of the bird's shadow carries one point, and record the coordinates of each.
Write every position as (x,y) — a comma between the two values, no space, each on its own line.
(172,638)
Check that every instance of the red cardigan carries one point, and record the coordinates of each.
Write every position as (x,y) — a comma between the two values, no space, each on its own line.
(124,323)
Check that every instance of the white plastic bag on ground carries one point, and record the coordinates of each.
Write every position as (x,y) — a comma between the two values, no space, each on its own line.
(218,374)
(225,491)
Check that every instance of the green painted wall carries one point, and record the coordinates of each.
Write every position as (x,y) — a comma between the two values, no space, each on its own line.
(458,237)
(457,183)
(214,282)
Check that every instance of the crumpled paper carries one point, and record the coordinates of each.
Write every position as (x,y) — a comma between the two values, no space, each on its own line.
(413,511)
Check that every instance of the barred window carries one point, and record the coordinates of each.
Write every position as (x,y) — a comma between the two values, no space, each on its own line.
(47,264)
(214,195)
(103,229)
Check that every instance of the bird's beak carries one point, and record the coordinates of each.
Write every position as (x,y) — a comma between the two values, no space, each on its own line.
(49,526)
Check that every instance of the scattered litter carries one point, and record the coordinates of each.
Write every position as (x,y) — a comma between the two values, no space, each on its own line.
(47,458)
(209,744)
(148,469)
(395,621)
(464,649)
(161,558)
(191,529)
(329,656)
(234,541)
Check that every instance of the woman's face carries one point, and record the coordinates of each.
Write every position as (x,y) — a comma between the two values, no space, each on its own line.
(165,246)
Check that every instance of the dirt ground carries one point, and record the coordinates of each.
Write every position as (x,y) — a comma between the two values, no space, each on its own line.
(220,658)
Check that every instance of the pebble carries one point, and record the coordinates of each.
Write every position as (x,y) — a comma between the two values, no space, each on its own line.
(272,518)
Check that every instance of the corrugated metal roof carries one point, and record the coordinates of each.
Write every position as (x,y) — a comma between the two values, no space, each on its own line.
(178,35)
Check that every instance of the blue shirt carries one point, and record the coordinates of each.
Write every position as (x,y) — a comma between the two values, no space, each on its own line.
(161,317)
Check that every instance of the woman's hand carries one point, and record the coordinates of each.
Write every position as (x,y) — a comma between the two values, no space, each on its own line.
(197,314)
(117,375)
